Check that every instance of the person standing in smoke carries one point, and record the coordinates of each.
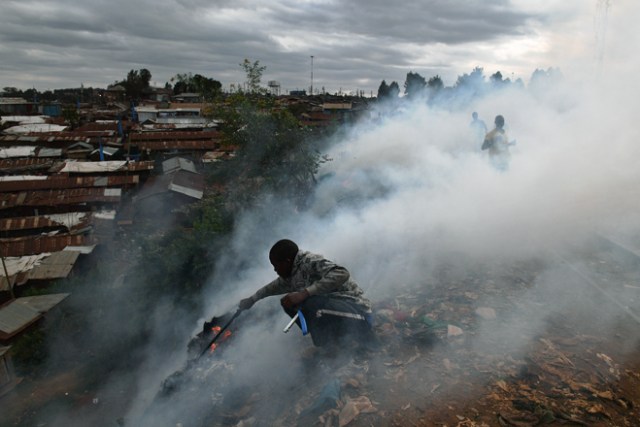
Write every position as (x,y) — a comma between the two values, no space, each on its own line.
(332,304)
(478,127)
(498,145)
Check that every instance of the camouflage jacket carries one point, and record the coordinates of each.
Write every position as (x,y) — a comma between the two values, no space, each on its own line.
(318,276)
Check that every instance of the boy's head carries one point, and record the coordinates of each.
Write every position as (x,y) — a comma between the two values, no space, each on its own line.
(281,256)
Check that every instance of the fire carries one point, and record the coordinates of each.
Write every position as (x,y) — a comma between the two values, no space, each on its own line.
(216,330)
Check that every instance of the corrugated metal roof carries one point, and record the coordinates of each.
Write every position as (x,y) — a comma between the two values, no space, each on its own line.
(31,245)
(24,165)
(106,166)
(49,152)
(18,269)
(69,220)
(45,266)
(188,183)
(12,100)
(13,152)
(61,182)
(56,266)
(27,223)
(18,314)
(174,136)
(35,127)
(178,163)
(177,145)
(60,197)
(43,303)
(62,138)
(14,317)
(183,182)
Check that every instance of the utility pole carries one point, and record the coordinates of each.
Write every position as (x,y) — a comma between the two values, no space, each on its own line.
(311,76)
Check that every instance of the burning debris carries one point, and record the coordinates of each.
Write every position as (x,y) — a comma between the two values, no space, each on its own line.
(431,368)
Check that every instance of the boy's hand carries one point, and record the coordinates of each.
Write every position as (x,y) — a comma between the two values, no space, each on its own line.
(294,299)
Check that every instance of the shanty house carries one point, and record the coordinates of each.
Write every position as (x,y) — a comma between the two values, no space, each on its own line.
(8,378)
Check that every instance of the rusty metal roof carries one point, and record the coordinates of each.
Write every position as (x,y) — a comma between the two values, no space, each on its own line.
(24,165)
(85,219)
(32,245)
(60,197)
(61,138)
(177,145)
(174,136)
(61,182)
(98,126)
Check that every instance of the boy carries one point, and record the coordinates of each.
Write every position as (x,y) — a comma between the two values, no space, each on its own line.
(332,304)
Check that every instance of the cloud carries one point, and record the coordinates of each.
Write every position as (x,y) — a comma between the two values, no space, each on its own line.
(356,44)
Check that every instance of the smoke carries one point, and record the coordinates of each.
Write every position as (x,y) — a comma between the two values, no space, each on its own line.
(407,192)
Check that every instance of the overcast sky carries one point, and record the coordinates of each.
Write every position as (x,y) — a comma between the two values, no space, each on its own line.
(49,44)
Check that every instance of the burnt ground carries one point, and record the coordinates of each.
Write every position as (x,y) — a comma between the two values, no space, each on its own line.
(520,344)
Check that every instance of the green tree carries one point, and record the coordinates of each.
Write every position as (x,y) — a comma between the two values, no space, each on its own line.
(435,83)
(254,75)
(414,85)
(383,91)
(10,91)
(394,90)
(71,116)
(542,80)
(388,92)
(475,79)
(274,153)
(137,83)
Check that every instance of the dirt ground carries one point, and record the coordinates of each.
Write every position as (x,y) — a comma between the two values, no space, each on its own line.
(507,345)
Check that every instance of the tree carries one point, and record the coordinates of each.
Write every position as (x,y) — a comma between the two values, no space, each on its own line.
(394,90)
(275,154)
(497,80)
(383,91)
(475,79)
(254,75)
(414,85)
(388,92)
(544,80)
(10,91)
(205,86)
(435,83)
(137,83)
(71,116)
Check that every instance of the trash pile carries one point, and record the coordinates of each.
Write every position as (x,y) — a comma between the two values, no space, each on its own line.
(461,350)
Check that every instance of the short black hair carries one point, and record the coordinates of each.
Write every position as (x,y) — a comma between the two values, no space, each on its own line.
(282,250)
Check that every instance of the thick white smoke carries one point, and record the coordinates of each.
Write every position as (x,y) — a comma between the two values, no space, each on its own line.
(406,191)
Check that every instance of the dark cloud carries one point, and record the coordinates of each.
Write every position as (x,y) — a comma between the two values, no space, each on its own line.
(68,42)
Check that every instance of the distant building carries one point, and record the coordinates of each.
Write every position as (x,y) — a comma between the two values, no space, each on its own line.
(17,107)
(170,115)
(115,93)
(187,97)
(8,378)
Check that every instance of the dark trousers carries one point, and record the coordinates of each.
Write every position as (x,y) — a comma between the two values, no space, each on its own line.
(333,320)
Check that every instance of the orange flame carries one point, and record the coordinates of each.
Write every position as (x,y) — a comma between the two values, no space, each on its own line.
(225,335)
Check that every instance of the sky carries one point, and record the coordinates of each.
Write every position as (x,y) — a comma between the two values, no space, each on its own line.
(355,44)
